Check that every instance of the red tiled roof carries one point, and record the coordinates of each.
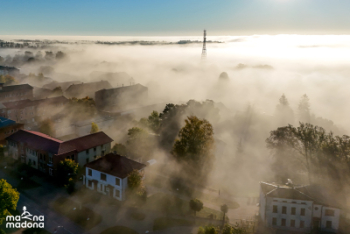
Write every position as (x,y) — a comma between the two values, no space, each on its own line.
(116,165)
(85,142)
(36,140)
(41,141)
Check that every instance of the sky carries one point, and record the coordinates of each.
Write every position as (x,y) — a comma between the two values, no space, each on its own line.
(173,18)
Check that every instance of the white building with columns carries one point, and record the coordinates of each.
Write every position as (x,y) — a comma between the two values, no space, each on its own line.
(297,208)
(109,175)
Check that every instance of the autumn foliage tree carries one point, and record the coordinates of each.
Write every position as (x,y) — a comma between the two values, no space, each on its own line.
(8,197)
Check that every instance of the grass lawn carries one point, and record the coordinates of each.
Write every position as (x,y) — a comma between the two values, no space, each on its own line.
(119,230)
(163,223)
(3,225)
(85,217)
(35,231)
(172,204)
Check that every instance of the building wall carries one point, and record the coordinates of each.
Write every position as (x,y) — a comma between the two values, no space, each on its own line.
(32,158)
(92,154)
(8,130)
(262,204)
(334,219)
(288,203)
(16,95)
(13,149)
(101,185)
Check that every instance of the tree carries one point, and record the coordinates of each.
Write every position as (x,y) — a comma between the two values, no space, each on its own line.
(209,229)
(70,186)
(224,209)
(154,121)
(8,80)
(135,179)
(140,143)
(66,170)
(195,143)
(196,205)
(8,197)
(2,151)
(120,149)
(94,128)
(60,55)
(47,127)
(318,152)
(284,113)
(304,109)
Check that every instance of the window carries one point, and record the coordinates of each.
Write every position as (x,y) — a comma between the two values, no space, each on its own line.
(89,172)
(292,223)
(274,210)
(329,212)
(117,181)
(283,223)
(302,212)
(117,193)
(284,210)
(87,151)
(103,177)
(302,224)
(274,221)
(329,224)
(293,211)
(90,183)
(87,160)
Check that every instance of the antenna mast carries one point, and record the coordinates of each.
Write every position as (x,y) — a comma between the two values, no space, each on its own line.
(204,51)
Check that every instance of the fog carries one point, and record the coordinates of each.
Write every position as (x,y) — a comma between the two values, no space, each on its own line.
(260,69)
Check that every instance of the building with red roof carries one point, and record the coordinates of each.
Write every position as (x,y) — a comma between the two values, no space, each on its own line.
(44,152)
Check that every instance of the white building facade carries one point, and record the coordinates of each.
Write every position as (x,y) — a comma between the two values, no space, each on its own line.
(109,175)
(294,209)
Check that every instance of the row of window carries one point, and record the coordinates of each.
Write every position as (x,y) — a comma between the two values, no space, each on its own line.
(328,212)
(284,210)
(301,225)
(103,177)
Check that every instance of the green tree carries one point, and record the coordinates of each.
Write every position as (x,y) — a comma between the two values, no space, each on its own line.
(209,229)
(196,205)
(284,113)
(70,186)
(8,197)
(47,127)
(66,170)
(2,151)
(224,209)
(94,128)
(195,143)
(154,121)
(120,149)
(304,109)
(135,179)
(139,144)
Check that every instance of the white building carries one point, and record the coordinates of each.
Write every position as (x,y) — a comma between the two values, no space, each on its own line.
(297,208)
(109,175)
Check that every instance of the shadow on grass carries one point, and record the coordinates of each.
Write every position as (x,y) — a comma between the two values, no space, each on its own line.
(84,217)
(119,230)
(163,223)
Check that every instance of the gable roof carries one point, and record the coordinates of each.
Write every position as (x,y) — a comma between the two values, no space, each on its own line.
(88,87)
(316,193)
(131,88)
(116,165)
(41,141)
(36,140)
(15,88)
(85,142)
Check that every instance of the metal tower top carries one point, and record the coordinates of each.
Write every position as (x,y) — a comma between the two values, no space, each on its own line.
(204,51)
